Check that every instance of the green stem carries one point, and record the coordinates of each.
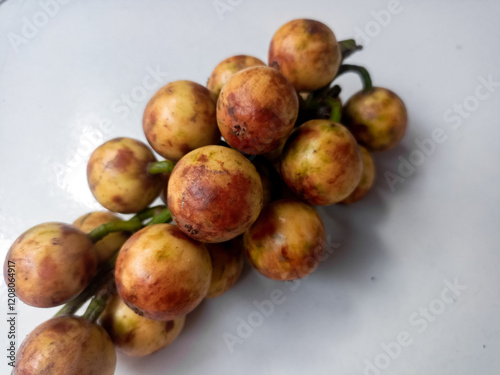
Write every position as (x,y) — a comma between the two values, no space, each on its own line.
(163,166)
(150,212)
(98,303)
(115,226)
(163,217)
(336,109)
(365,76)
(348,47)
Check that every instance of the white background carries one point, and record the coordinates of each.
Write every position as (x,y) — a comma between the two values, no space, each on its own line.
(394,251)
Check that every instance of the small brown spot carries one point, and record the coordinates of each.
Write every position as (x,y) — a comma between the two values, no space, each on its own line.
(203,158)
(123,158)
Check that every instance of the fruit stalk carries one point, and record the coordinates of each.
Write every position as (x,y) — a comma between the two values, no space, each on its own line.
(365,76)
(98,303)
(348,47)
(163,166)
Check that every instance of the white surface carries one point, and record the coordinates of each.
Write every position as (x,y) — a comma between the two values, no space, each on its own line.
(397,249)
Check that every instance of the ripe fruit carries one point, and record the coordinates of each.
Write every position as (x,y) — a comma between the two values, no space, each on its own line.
(179,118)
(227,68)
(287,240)
(306,52)
(377,118)
(118,177)
(214,194)
(367,178)
(135,335)
(321,162)
(66,345)
(106,247)
(161,273)
(256,110)
(54,262)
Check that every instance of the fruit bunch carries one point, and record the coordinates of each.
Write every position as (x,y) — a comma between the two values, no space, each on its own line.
(246,158)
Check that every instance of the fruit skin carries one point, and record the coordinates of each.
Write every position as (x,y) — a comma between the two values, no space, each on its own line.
(321,162)
(66,345)
(227,264)
(118,177)
(306,52)
(378,119)
(287,241)
(227,68)
(179,118)
(53,262)
(161,273)
(106,247)
(256,110)
(367,178)
(135,335)
(214,194)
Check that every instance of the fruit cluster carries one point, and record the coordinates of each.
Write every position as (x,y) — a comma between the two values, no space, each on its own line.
(246,158)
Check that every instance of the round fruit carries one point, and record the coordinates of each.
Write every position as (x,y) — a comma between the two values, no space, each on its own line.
(53,262)
(214,194)
(66,345)
(367,178)
(227,263)
(306,52)
(321,162)
(227,68)
(112,242)
(256,110)
(161,273)
(179,118)
(377,118)
(135,335)
(118,177)
(287,241)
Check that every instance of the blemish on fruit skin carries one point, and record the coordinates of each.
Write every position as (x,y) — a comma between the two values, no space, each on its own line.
(124,157)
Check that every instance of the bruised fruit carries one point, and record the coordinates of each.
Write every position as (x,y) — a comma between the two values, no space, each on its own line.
(118,177)
(287,241)
(367,178)
(227,263)
(161,273)
(179,118)
(53,262)
(135,335)
(377,118)
(227,68)
(214,194)
(256,110)
(321,162)
(306,52)
(66,345)
(112,242)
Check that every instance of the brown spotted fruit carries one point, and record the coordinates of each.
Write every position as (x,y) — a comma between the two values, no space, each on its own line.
(214,194)
(53,262)
(179,118)
(321,162)
(227,263)
(256,110)
(377,118)
(117,173)
(161,273)
(287,241)
(107,246)
(66,345)
(135,335)
(367,178)
(227,68)
(306,52)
